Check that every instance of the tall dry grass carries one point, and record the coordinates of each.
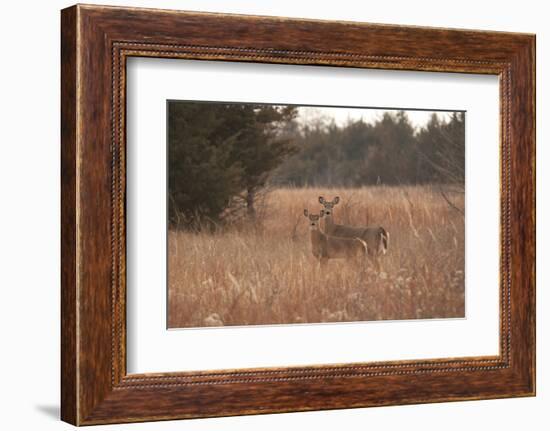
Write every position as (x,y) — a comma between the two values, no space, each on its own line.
(266,274)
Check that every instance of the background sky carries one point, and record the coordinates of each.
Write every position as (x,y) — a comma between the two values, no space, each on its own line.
(309,114)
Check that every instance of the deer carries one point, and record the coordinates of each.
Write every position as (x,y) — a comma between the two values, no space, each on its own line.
(376,237)
(325,247)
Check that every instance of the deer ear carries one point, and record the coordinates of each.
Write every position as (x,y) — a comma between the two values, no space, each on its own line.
(336,200)
(306,213)
(321,200)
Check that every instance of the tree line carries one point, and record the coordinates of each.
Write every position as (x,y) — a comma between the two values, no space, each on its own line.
(222,156)
(389,151)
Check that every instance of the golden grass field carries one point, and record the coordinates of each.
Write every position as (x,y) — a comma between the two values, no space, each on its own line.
(267,274)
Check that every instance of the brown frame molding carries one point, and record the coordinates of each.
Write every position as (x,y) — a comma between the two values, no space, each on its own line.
(95,43)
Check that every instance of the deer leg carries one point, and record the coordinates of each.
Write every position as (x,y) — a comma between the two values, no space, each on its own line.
(375,263)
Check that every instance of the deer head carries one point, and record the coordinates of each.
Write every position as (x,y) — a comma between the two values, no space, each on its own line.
(314,219)
(328,205)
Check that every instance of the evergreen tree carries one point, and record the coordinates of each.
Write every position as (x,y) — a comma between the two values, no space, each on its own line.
(219,152)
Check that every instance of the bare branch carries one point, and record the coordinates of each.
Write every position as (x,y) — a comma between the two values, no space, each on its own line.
(449,202)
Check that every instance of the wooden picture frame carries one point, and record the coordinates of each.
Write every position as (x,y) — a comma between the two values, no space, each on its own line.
(95,43)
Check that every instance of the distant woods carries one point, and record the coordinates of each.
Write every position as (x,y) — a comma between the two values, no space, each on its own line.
(222,157)
(390,152)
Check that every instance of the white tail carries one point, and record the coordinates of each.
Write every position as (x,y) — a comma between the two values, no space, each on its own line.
(326,247)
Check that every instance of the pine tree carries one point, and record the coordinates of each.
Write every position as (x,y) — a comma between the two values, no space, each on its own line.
(218,153)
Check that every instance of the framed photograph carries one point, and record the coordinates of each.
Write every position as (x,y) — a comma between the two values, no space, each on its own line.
(264,214)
